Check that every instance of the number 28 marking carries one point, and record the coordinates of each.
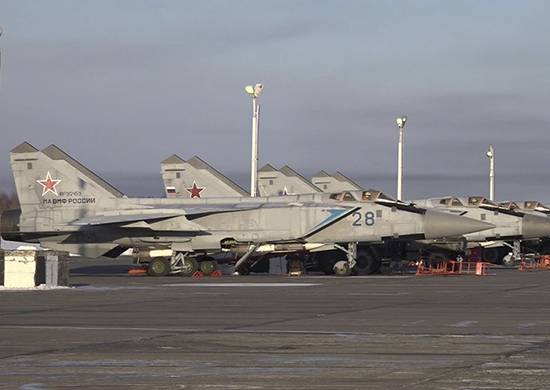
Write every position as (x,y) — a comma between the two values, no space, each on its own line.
(360,220)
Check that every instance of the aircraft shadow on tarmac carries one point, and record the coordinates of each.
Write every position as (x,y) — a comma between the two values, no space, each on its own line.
(103,270)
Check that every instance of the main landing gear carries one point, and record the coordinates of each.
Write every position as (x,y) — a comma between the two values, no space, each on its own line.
(182,264)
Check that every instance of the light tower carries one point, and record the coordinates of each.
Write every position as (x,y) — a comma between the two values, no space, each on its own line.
(491,156)
(254,92)
(401,126)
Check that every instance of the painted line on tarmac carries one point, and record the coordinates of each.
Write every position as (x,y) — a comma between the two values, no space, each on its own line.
(358,277)
(380,294)
(277,331)
(241,284)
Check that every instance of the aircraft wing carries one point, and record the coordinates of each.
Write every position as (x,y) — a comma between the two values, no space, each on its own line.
(126,216)
(140,217)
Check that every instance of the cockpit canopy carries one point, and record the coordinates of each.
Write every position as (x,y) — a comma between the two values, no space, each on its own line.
(480,201)
(451,202)
(536,206)
(509,205)
(363,196)
(472,201)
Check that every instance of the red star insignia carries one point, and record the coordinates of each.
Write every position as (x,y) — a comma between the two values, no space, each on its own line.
(195,191)
(48,184)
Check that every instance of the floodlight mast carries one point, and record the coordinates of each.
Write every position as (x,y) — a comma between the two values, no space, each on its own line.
(491,156)
(401,126)
(1,32)
(254,92)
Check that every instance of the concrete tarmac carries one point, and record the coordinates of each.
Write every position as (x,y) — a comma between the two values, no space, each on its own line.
(273,332)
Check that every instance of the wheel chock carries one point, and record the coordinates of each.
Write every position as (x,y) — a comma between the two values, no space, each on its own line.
(197,275)
(137,271)
(216,274)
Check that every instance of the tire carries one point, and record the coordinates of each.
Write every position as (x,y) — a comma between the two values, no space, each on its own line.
(367,263)
(509,260)
(158,267)
(342,268)
(189,266)
(208,266)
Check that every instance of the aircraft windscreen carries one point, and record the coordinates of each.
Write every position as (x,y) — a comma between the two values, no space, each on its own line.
(451,202)
(475,200)
(369,196)
(509,205)
(530,205)
(445,202)
(534,205)
(383,196)
(348,196)
(487,202)
(375,195)
(456,202)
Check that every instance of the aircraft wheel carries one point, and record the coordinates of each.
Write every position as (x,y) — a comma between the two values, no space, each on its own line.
(189,266)
(509,260)
(158,267)
(342,268)
(367,263)
(208,266)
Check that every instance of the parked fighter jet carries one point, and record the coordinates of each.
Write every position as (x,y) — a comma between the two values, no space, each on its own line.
(511,224)
(65,206)
(541,246)
(286,181)
(194,178)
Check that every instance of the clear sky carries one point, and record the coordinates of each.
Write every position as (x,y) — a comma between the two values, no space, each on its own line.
(120,85)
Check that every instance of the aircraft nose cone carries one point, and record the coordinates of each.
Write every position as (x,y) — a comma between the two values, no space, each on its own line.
(533,226)
(438,224)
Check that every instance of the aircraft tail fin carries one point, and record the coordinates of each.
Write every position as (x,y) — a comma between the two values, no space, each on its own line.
(283,181)
(50,178)
(195,178)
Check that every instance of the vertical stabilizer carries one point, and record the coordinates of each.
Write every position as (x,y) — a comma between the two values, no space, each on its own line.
(53,188)
(284,181)
(195,178)
(334,183)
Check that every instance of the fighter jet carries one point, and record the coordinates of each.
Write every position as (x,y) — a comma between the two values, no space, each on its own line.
(65,206)
(541,246)
(511,224)
(195,178)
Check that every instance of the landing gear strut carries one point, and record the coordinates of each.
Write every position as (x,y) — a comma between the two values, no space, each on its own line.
(343,268)
(513,257)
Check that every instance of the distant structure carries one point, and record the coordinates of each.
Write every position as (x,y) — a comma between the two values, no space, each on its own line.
(195,178)
(283,181)
(334,183)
